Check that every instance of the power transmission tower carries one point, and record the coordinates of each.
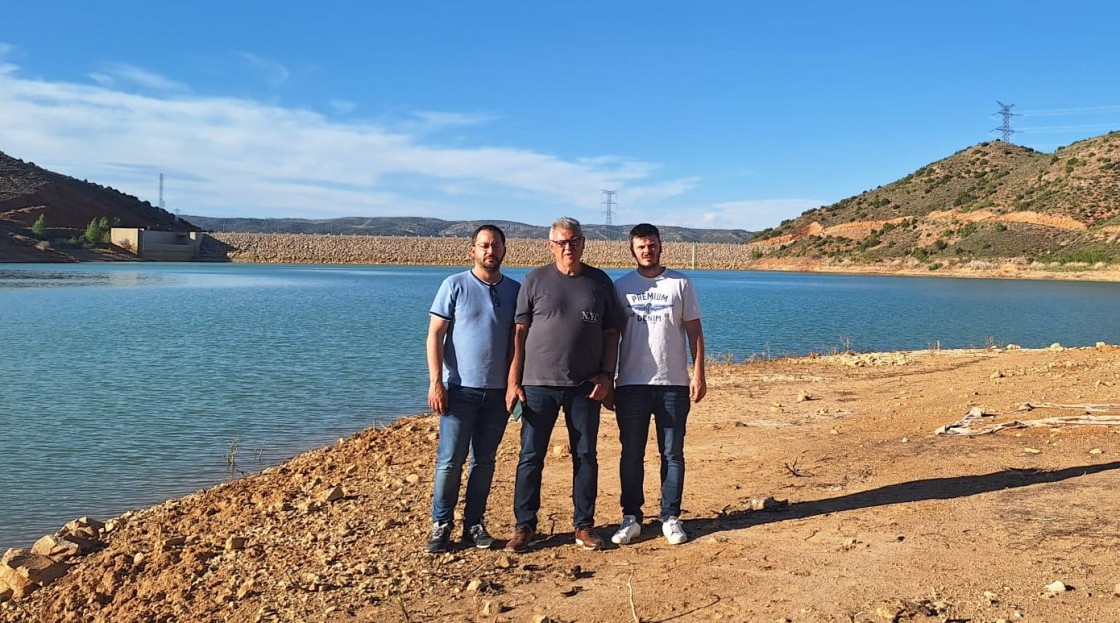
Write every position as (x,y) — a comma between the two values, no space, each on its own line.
(608,213)
(1005,110)
(161,191)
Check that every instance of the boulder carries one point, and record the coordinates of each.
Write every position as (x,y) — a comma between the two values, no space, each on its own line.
(23,571)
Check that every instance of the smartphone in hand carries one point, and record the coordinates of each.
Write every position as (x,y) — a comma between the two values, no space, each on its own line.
(516,413)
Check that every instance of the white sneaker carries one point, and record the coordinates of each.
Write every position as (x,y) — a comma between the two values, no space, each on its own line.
(628,531)
(673,531)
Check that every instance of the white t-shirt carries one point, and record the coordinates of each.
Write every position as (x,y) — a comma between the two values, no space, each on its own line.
(653,350)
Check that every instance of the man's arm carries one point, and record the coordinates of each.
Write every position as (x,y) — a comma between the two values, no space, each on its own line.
(698,387)
(514,391)
(437,393)
(604,381)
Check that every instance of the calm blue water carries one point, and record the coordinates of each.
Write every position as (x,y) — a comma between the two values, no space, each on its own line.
(126,384)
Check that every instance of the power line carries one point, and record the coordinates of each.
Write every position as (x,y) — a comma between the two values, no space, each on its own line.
(608,213)
(1005,111)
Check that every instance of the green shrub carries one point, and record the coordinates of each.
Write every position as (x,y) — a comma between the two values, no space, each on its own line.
(40,227)
(96,232)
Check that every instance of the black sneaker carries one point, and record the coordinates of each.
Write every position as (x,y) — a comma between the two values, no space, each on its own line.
(478,535)
(440,539)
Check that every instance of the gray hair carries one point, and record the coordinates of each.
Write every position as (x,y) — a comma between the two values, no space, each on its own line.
(569,224)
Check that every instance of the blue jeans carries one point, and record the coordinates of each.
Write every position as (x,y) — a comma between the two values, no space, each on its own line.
(538,418)
(669,405)
(475,420)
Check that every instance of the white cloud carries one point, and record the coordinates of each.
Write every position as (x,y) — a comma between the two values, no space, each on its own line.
(129,75)
(752,215)
(273,72)
(239,157)
(342,107)
(226,156)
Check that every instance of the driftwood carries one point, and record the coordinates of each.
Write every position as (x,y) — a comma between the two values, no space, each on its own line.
(972,422)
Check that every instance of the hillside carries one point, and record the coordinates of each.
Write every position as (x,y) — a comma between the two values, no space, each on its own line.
(439,228)
(991,201)
(28,191)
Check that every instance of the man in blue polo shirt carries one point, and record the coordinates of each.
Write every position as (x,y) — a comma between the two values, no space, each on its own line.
(468,347)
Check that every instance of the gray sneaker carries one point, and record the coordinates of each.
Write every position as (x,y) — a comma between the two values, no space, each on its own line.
(440,538)
(478,535)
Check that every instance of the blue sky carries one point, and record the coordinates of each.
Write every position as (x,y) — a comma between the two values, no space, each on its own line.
(722,114)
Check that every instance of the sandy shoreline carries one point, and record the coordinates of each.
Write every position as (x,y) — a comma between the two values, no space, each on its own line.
(817,491)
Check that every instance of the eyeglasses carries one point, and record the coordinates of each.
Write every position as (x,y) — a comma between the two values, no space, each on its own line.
(569,242)
(494,297)
(486,246)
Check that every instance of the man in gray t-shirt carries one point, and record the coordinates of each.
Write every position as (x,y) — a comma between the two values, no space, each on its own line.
(565,347)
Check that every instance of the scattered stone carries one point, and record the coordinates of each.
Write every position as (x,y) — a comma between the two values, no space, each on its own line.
(1096,451)
(433,436)
(996,375)
(490,608)
(1031,451)
(504,562)
(1116,590)
(1056,346)
(1057,586)
(474,585)
(56,547)
(802,396)
(542,618)
(24,571)
(236,543)
(561,450)
(247,588)
(333,494)
(767,503)
(171,543)
(412,479)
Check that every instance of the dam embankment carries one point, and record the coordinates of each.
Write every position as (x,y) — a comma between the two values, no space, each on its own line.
(402,250)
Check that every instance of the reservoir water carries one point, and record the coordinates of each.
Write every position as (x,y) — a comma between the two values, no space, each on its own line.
(127,384)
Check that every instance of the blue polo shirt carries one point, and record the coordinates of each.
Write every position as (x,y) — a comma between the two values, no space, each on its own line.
(476,349)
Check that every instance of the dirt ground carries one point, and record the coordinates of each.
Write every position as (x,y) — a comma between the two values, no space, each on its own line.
(817,490)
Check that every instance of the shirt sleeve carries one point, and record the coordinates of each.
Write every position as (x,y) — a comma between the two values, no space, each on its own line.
(691,302)
(523,314)
(444,303)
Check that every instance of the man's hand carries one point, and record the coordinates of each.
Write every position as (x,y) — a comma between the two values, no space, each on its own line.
(514,392)
(697,389)
(437,398)
(603,391)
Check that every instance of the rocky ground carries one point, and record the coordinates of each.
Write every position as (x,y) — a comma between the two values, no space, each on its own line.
(817,490)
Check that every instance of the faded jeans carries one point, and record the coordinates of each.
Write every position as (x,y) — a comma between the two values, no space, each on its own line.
(581,414)
(669,405)
(475,421)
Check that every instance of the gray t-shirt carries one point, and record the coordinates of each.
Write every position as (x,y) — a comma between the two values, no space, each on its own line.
(566,316)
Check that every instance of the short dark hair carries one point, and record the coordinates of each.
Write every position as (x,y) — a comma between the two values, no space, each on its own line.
(644,230)
(494,229)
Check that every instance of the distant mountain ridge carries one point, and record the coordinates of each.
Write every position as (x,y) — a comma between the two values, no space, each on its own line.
(434,227)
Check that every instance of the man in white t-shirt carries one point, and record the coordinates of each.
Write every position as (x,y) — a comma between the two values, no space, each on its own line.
(663,317)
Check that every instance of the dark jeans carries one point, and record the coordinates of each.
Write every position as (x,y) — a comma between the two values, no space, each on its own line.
(669,406)
(475,420)
(581,414)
